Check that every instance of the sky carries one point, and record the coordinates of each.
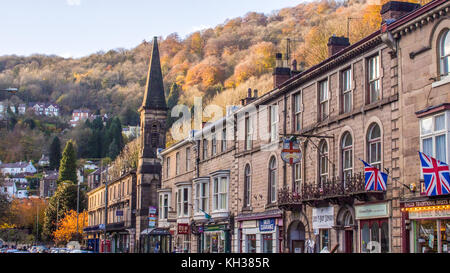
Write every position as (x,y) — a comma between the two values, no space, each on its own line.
(76,28)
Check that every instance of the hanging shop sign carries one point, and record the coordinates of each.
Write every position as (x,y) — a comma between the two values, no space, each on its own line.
(267,224)
(152,217)
(323,218)
(183,228)
(291,151)
(372,211)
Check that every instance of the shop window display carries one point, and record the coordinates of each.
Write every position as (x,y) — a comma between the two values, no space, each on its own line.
(214,242)
(267,240)
(375,236)
(429,240)
(251,243)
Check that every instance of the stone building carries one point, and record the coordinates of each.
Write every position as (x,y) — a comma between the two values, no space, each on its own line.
(381,100)
(132,198)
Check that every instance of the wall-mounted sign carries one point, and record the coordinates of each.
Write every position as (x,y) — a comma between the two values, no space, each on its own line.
(152,210)
(372,211)
(427,203)
(323,218)
(183,229)
(249,224)
(267,224)
(427,214)
(151,222)
(119,212)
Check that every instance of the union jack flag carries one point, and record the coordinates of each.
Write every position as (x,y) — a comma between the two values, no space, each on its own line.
(436,175)
(375,180)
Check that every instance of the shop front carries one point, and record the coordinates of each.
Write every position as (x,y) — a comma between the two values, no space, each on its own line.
(92,237)
(427,226)
(373,226)
(183,238)
(155,240)
(259,233)
(323,222)
(346,229)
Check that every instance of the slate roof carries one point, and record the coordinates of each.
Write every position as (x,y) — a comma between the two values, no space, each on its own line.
(154,97)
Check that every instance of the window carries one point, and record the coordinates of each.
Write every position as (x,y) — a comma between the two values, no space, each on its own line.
(273,123)
(188,159)
(297,177)
(220,193)
(267,240)
(224,140)
(324,239)
(163,206)
(205,149)
(251,243)
(297,112)
(374,146)
(433,136)
(374,78)
(377,232)
(273,180)
(346,90)
(248,133)
(201,197)
(183,202)
(247,186)
(214,145)
(168,167)
(347,156)
(177,164)
(444,53)
(323,162)
(323,100)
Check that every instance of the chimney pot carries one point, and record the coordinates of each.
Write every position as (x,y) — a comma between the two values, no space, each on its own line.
(336,44)
(249,94)
(294,65)
(394,10)
(256,93)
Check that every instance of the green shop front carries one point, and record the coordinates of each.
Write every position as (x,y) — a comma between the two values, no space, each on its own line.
(214,238)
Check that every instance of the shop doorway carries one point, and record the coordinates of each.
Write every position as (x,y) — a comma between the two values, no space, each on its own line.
(375,236)
(348,238)
(296,233)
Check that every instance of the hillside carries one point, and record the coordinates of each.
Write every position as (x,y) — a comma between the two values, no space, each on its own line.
(218,63)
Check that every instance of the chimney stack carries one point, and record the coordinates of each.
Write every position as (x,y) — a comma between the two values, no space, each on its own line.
(394,10)
(336,44)
(281,73)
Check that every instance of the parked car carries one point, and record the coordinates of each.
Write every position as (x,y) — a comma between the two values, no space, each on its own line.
(81,251)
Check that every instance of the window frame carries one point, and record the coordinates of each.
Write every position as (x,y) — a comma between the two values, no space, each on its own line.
(163,208)
(379,148)
(188,159)
(247,186)
(376,79)
(441,54)
(273,122)
(203,187)
(272,185)
(218,194)
(346,90)
(344,151)
(205,149)
(181,202)
(323,158)
(433,134)
(177,163)
(297,111)
(213,144)
(248,133)
(323,103)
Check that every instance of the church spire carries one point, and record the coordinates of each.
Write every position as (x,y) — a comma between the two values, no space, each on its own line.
(154,97)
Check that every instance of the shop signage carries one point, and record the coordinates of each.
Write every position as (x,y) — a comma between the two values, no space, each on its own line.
(119,212)
(323,217)
(249,224)
(291,151)
(183,229)
(428,203)
(429,214)
(267,224)
(214,228)
(152,217)
(372,211)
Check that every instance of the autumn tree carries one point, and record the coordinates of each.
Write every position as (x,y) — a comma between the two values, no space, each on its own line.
(64,200)
(67,228)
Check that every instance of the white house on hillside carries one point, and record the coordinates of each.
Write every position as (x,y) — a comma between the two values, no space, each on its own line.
(17,168)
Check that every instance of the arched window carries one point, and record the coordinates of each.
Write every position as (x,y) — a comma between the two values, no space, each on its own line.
(247,186)
(444,53)
(272,180)
(347,155)
(323,162)
(374,146)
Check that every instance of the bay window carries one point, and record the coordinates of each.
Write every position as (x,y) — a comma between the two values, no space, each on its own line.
(201,197)
(433,136)
(220,193)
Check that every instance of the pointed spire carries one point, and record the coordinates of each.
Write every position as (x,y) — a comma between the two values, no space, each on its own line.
(154,97)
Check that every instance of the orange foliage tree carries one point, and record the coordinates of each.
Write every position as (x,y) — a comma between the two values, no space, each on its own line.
(67,228)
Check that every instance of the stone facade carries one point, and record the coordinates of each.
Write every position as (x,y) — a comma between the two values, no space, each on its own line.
(364,102)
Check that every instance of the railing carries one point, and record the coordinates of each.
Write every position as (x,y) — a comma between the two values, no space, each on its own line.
(335,191)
